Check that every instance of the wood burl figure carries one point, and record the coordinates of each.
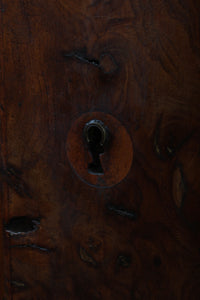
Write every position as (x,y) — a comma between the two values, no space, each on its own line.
(100,150)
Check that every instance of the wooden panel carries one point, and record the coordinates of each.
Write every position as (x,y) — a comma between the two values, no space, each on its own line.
(140,62)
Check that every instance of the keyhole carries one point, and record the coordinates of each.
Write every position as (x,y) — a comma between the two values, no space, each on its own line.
(96,136)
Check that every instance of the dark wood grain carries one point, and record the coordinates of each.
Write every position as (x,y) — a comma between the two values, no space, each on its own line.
(140,62)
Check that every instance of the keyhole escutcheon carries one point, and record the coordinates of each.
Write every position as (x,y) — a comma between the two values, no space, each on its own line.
(96,136)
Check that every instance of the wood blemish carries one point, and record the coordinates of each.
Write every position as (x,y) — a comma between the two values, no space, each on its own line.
(18,284)
(1,107)
(82,57)
(157,261)
(157,138)
(22,225)
(32,246)
(124,260)
(170,150)
(121,211)
(13,178)
(163,152)
(107,64)
(84,255)
(167,145)
(178,187)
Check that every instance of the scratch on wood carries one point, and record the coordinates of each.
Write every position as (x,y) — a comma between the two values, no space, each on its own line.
(121,211)
(86,257)
(107,64)
(32,246)
(18,284)
(83,58)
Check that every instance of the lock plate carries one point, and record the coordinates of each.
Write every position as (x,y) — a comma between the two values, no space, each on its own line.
(115,157)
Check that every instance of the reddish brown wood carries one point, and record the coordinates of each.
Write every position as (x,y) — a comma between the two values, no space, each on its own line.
(140,62)
(116,160)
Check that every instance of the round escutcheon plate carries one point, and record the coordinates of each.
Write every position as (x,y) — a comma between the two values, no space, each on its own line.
(116,159)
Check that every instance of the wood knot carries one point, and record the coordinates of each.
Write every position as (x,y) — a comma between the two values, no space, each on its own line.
(22,225)
(108,64)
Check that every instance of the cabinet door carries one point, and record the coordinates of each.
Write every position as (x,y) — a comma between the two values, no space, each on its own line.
(100,152)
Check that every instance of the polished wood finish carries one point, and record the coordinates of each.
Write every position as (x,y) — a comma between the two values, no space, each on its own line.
(140,62)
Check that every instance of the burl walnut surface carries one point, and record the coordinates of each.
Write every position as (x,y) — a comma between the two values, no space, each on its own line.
(139,61)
